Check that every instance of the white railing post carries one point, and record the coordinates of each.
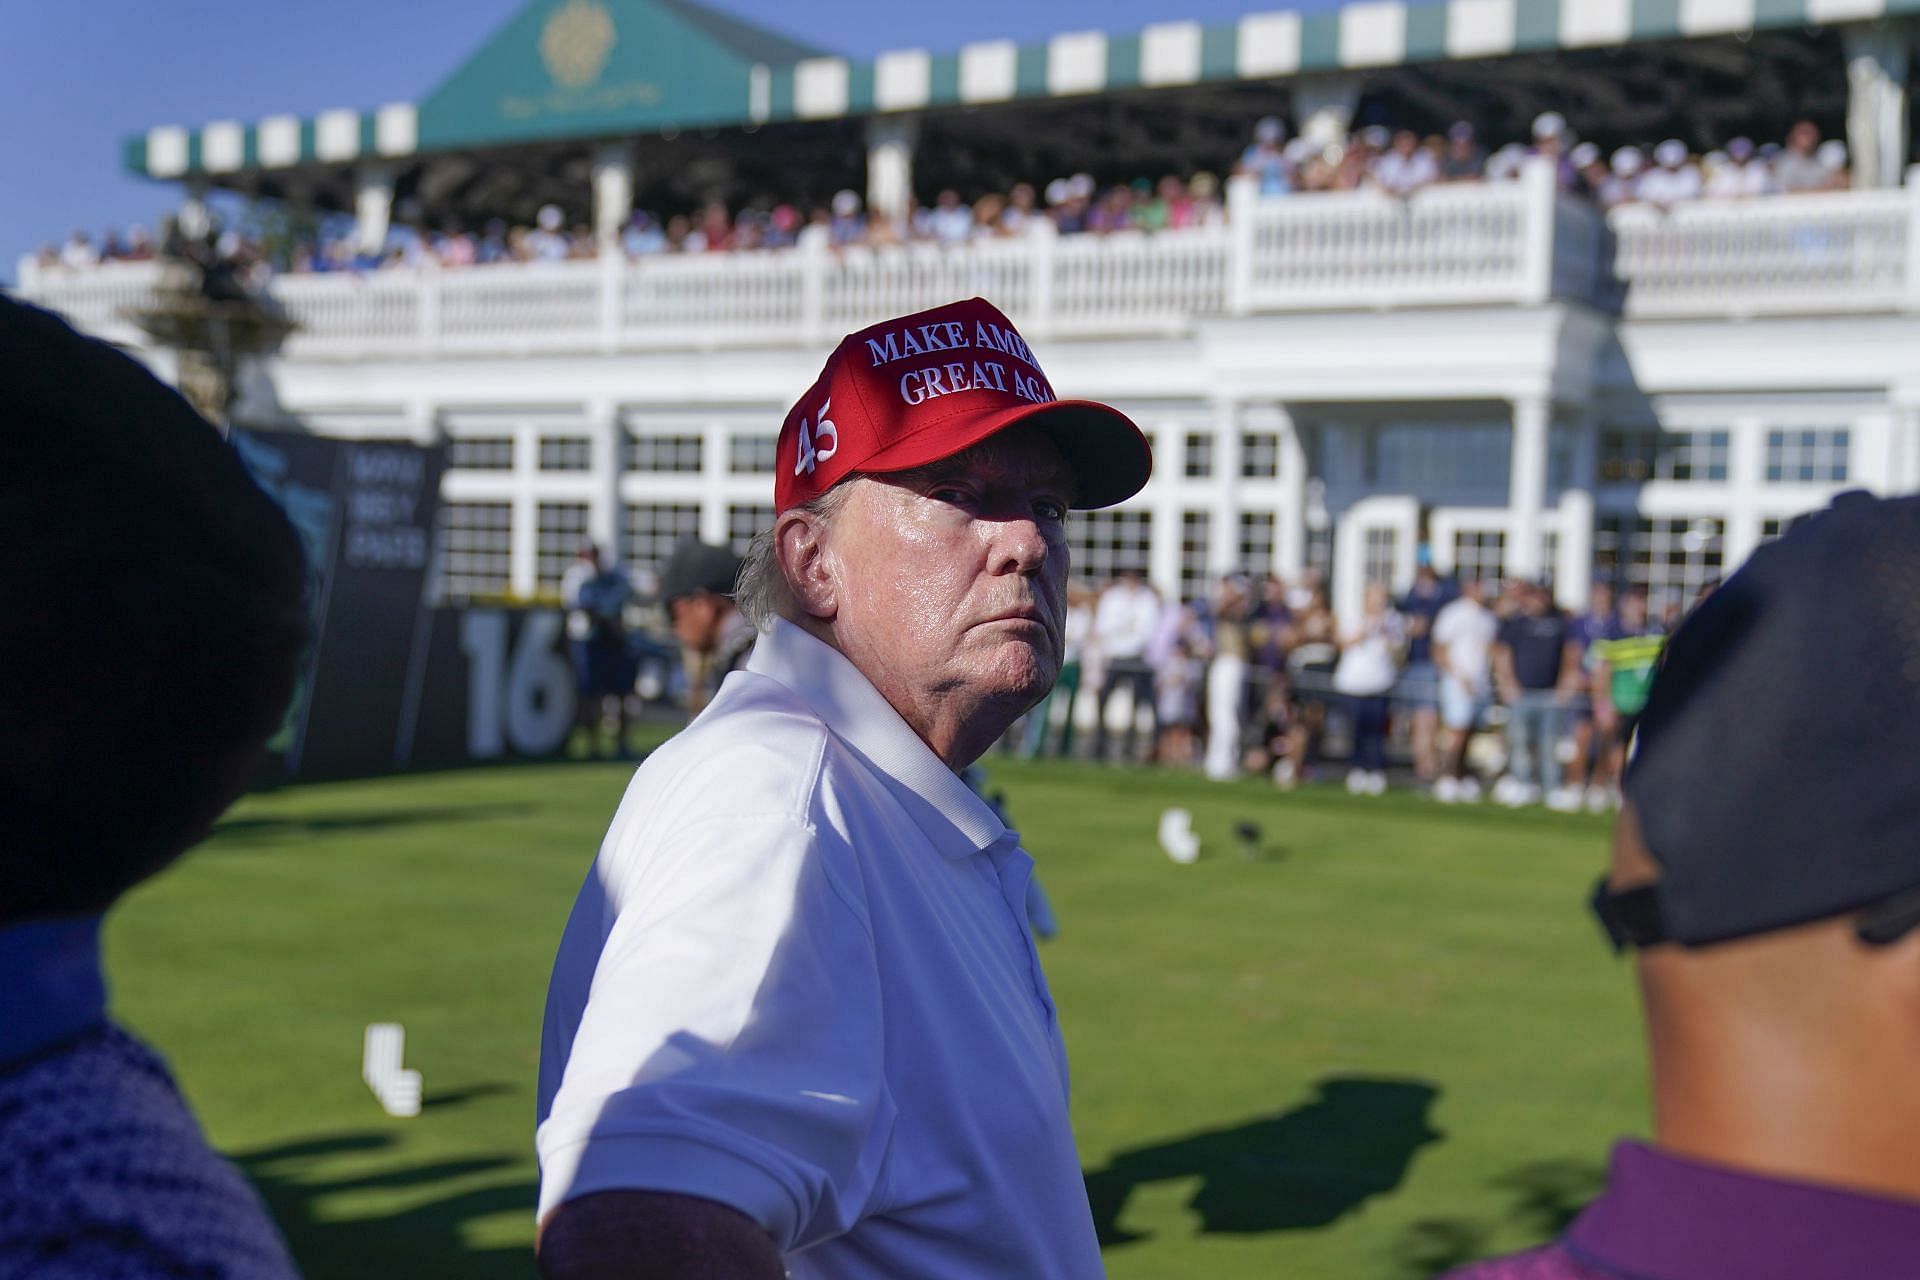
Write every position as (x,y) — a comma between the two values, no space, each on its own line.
(430,308)
(1912,246)
(1042,238)
(612,280)
(814,259)
(1243,197)
(1539,185)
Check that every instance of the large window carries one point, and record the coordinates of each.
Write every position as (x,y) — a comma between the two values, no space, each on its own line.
(476,548)
(670,455)
(561,530)
(1480,555)
(1199,461)
(1807,456)
(744,520)
(1684,457)
(1259,455)
(1379,552)
(481,453)
(751,454)
(653,528)
(1196,550)
(1102,543)
(1256,543)
(566,453)
(1671,558)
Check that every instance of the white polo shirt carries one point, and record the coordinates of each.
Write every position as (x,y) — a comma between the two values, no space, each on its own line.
(799,982)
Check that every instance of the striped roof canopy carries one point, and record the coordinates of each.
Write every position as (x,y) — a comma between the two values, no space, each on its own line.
(583,69)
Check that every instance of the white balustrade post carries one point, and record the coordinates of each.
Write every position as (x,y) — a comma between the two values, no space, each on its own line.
(430,284)
(815,257)
(1042,239)
(1913,238)
(1243,198)
(612,278)
(1539,186)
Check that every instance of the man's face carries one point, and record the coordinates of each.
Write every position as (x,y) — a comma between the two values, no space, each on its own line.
(950,580)
(696,620)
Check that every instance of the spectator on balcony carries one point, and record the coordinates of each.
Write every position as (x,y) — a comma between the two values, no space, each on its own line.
(1020,211)
(139,244)
(78,252)
(1463,159)
(1622,183)
(1797,168)
(547,242)
(1505,164)
(1591,168)
(847,225)
(1741,174)
(1203,190)
(988,222)
(1554,140)
(1406,166)
(1266,160)
(1672,179)
(948,222)
(1832,156)
(644,236)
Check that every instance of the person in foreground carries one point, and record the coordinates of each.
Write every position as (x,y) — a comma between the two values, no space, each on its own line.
(132,711)
(1766,867)
(797,1024)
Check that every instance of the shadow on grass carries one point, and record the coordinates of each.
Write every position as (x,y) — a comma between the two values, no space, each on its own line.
(1542,1199)
(264,829)
(1298,1170)
(424,1241)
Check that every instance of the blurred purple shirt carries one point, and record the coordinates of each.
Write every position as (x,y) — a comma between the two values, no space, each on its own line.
(1665,1218)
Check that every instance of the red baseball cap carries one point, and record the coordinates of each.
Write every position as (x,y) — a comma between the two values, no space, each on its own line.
(919,388)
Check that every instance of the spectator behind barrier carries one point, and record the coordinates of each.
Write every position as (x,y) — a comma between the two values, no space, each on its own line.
(154,628)
(1766,870)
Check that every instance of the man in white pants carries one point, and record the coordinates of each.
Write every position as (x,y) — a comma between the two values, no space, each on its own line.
(797,1025)
(1463,636)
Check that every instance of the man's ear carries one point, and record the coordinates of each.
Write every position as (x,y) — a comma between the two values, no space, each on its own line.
(799,541)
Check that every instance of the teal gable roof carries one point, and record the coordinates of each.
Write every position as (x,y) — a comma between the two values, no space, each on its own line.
(579,68)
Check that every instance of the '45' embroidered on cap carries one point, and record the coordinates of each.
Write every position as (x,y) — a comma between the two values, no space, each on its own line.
(913,390)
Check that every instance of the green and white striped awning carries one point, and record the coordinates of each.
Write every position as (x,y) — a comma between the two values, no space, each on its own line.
(579,69)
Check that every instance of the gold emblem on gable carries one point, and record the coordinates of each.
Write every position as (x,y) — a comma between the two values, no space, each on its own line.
(576,42)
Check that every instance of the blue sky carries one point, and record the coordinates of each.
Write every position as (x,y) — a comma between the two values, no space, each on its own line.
(76,78)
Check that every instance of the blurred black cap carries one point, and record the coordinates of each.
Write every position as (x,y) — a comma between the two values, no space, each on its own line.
(1773,773)
(695,566)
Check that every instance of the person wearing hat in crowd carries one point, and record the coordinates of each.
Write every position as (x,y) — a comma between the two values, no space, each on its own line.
(1266,158)
(797,1025)
(1622,184)
(1589,164)
(1464,159)
(696,586)
(136,711)
(1740,176)
(1554,140)
(1766,874)
(1673,177)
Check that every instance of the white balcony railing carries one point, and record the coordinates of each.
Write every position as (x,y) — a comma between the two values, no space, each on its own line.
(1516,244)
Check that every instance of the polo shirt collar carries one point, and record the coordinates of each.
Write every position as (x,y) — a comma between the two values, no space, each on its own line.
(957,822)
(51,988)
(1664,1216)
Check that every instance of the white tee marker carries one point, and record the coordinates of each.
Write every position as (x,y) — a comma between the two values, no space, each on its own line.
(1177,836)
(397,1087)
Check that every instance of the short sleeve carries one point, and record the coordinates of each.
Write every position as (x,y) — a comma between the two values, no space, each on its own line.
(731,1045)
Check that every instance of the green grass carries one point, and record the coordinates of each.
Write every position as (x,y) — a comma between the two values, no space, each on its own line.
(1390,1042)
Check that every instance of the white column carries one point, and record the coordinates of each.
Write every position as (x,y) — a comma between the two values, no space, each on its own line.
(1573,575)
(1224,555)
(890,143)
(609,460)
(1527,484)
(612,191)
(1323,106)
(1290,525)
(1541,188)
(372,206)
(1877,68)
(523,545)
(1903,445)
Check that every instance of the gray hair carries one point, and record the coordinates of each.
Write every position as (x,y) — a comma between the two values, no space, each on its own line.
(761,593)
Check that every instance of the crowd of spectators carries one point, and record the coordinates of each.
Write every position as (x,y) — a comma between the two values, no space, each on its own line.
(1262,678)
(1396,161)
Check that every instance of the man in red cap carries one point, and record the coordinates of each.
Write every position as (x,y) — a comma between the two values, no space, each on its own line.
(797,1025)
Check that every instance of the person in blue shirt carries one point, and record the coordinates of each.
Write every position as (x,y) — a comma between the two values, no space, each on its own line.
(137,709)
